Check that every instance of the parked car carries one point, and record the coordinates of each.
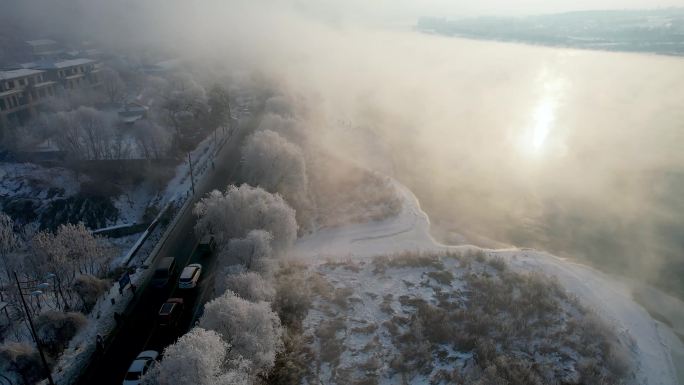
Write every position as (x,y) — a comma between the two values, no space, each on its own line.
(190,275)
(163,272)
(170,312)
(207,244)
(141,365)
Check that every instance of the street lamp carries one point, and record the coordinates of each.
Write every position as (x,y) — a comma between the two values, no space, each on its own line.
(192,178)
(43,286)
(36,294)
(33,331)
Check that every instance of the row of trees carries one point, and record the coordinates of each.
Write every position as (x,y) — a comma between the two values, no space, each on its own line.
(239,335)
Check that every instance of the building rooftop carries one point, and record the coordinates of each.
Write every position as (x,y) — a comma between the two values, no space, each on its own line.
(65,63)
(18,73)
(39,42)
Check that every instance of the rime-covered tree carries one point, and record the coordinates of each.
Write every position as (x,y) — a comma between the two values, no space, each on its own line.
(252,329)
(254,251)
(70,251)
(277,165)
(247,285)
(239,210)
(199,358)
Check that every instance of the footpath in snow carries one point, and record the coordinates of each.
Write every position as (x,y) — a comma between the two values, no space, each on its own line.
(653,343)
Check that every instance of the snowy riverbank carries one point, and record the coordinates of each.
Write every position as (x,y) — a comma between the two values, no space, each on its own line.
(653,344)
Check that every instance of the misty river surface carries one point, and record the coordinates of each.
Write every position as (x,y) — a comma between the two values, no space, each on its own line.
(576,152)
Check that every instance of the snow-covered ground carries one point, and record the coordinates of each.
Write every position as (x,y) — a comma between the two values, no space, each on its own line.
(654,346)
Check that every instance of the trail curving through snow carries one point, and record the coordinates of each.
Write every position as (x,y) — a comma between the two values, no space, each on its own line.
(652,343)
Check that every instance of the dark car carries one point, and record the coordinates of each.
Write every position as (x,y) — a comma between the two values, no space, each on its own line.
(207,244)
(170,312)
(163,272)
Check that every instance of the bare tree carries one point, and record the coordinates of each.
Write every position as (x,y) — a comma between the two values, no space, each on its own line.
(113,86)
(183,105)
(9,241)
(87,133)
(153,140)
(219,108)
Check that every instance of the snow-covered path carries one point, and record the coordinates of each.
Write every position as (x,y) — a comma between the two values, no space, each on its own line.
(651,342)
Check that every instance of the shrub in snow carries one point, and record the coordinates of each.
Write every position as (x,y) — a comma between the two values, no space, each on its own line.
(292,364)
(55,329)
(239,210)
(89,289)
(293,299)
(344,193)
(21,360)
(509,328)
(250,286)
(252,329)
(198,358)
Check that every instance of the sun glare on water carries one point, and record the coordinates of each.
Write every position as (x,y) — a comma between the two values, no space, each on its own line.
(535,137)
(544,118)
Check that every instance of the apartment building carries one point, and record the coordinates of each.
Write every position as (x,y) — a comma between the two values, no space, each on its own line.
(21,91)
(73,73)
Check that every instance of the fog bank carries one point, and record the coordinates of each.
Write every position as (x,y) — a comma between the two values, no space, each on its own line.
(578,152)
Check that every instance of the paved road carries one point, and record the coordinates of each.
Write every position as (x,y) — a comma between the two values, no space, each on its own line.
(139,330)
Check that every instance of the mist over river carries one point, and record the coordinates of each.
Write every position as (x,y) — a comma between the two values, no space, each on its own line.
(571,151)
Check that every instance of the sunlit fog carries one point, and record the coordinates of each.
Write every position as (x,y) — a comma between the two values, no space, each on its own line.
(481,192)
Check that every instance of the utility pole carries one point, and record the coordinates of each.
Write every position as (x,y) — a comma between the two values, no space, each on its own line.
(33,330)
(230,114)
(192,178)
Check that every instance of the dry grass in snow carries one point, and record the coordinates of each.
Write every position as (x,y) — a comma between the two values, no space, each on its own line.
(440,319)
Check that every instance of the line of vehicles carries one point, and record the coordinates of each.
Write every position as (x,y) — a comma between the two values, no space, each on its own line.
(172,309)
